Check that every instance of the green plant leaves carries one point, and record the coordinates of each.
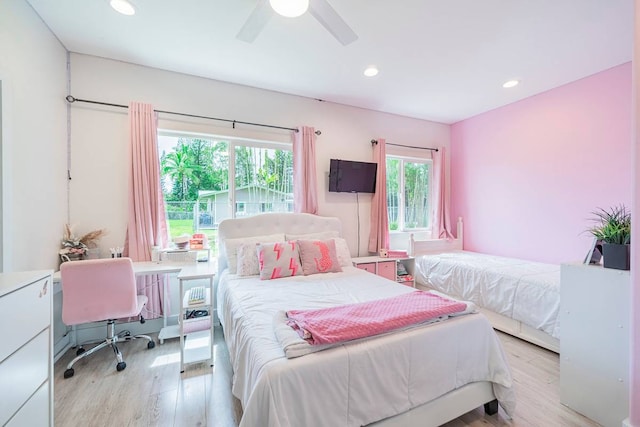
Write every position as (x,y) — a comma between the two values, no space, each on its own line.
(612,225)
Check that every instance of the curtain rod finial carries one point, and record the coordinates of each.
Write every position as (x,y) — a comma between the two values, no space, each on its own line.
(70,98)
(374,142)
(318,132)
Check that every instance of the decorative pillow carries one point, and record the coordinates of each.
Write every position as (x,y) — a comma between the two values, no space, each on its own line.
(231,247)
(320,235)
(342,251)
(248,260)
(277,260)
(318,256)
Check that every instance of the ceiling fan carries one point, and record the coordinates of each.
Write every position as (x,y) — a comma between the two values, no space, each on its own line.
(319,9)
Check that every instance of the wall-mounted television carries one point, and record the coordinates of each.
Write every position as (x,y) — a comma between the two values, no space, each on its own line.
(346,176)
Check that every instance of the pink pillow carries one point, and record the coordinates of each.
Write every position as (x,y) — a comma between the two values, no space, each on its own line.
(277,260)
(319,256)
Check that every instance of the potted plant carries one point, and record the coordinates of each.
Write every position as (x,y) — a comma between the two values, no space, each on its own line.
(75,248)
(613,229)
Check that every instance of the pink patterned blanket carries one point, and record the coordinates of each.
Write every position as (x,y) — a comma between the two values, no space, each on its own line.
(353,321)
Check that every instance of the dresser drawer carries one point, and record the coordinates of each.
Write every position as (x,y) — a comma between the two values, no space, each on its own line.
(34,413)
(387,269)
(23,314)
(22,373)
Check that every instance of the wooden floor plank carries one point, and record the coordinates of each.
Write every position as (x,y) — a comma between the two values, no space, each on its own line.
(152,392)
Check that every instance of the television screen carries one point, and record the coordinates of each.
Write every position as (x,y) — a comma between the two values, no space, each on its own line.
(347,176)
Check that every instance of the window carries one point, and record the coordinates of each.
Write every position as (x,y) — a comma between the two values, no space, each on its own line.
(408,193)
(206,179)
(266,207)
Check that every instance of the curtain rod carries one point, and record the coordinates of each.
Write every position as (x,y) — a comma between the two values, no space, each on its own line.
(375,141)
(70,99)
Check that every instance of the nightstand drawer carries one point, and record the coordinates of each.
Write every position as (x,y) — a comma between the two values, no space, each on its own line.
(387,269)
(369,266)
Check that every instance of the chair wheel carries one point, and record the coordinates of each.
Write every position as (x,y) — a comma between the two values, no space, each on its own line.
(79,351)
(120,366)
(151,344)
(68,373)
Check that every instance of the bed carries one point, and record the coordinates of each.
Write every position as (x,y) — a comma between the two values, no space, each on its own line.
(519,297)
(426,375)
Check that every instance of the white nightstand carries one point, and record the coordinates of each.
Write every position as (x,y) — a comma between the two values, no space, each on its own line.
(388,268)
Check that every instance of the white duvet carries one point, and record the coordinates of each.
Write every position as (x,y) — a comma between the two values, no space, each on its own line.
(353,384)
(522,290)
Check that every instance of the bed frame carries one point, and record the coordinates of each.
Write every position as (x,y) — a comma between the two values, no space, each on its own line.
(438,411)
(498,321)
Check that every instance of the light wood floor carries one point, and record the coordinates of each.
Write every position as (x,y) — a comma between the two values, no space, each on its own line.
(152,392)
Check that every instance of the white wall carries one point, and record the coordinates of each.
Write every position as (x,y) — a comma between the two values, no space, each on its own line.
(33,75)
(99,135)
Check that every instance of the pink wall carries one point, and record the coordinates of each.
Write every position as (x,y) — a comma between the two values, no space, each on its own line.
(634,358)
(526,177)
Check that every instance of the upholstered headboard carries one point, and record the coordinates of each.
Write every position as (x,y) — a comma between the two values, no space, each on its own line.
(270,223)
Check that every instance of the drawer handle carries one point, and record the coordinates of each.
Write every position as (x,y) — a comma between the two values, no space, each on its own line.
(43,292)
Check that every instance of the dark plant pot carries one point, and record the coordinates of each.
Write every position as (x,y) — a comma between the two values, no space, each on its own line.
(616,256)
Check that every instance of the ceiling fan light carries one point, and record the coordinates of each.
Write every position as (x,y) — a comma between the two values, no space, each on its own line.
(123,6)
(371,71)
(290,8)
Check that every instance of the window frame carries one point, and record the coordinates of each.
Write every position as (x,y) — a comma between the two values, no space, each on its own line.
(401,191)
(233,142)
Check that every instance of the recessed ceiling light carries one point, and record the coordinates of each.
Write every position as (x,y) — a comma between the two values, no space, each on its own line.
(511,83)
(290,8)
(123,6)
(371,71)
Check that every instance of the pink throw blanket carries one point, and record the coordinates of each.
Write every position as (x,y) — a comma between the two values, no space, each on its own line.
(353,321)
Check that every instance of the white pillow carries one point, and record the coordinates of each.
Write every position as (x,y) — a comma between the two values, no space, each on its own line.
(280,259)
(320,235)
(231,247)
(248,260)
(342,252)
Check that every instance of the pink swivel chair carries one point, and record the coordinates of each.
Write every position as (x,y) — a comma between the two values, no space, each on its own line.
(98,290)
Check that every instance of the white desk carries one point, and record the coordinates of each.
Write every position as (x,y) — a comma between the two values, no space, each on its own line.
(149,267)
(192,270)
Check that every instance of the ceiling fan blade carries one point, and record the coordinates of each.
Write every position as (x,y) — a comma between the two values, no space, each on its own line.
(329,18)
(256,22)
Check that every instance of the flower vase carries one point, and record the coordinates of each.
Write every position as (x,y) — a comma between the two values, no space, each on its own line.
(71,257)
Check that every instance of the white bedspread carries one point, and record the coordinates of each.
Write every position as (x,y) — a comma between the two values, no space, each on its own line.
(354,384)
(522,290)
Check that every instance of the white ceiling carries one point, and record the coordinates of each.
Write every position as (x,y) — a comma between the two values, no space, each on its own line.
(441,60)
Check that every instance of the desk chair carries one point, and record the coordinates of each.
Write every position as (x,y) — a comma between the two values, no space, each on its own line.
(101,290)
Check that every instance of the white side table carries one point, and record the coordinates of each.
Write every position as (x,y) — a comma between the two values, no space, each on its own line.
(196,335)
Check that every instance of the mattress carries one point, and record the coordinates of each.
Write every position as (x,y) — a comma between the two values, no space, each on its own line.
(522,290)
(353,384)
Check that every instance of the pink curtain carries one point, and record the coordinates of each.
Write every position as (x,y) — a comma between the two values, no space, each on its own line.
(379,234)
(147,224)
(440,219)
(305,182)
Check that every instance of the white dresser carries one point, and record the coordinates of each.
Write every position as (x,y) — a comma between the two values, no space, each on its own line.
(594,342)
(26,357)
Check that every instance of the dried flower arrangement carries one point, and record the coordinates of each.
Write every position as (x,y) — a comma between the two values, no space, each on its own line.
(76,247)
